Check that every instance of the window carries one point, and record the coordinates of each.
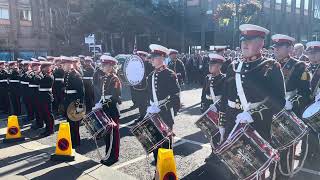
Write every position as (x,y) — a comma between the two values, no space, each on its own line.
(4,13)
(193,2)
(298,4)
(306,4)
(278,1)
(289,5)
(25,15)
(317,9)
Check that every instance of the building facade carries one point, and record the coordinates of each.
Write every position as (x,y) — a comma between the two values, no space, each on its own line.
(298,18)
(24,29)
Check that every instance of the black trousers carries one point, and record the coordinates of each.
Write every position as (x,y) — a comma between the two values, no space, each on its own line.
(4,99)
(15,103)
(46,114)
(74,125)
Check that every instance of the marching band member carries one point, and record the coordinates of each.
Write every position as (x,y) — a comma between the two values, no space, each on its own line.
(140,90)
(177,66)
(163,90)
(298,50)
(74,92)
(212,88)
(58,85)
(254,88)
(313,50)
(24,87)
(110,99)
(4,88)
(296,75)
(88,72)
(46,97)
(34,84)
(14,88)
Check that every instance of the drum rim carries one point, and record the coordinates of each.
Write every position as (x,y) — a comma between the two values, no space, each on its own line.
(308,108)
(125,66)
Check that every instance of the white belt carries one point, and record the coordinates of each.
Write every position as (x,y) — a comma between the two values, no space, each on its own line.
(23,82)
(160,102)
(214,99)
(59,79)
(88,78)
(33,85)
(45,89)
(70,91)
(103,98)
(290,94)
(15,81)
(3,80)
(236,105)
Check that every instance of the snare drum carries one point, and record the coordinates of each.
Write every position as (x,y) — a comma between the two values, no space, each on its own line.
(151,132)
(246,153)
(98,123)
(209,125)
(286,129)
(311,116)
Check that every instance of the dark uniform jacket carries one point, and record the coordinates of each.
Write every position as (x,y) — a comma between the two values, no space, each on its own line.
(46,82)
(88,72)
(167,89)
(73,81)
(216,83)
(58,84)
(111,86)
(262,82)
(315,81)
(4,81)
(14,82)
(297,79)
(177,66)
(34,83)
(24,83)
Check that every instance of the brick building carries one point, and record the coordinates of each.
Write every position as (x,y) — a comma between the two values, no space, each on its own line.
(24,29)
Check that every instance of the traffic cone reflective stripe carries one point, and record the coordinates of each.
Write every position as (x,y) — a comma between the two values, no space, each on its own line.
(166,166)
(63,146)
(13,130)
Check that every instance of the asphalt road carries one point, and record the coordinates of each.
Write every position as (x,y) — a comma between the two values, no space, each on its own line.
(191,149)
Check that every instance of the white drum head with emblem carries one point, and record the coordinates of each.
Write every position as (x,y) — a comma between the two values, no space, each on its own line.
(134,70)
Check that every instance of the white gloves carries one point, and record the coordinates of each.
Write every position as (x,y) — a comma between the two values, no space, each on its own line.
(317,98)
(244,117)
(153,109)
(288,105)
(222,131)
(213,108)
(97,106)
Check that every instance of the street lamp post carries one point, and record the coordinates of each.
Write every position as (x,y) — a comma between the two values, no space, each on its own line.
(235,39)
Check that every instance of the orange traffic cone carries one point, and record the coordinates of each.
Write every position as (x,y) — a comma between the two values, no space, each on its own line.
(166,166)
(64,146)
(13,130)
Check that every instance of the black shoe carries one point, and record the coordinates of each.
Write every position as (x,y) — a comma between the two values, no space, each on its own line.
(45,134)
(108,162)
(36,126)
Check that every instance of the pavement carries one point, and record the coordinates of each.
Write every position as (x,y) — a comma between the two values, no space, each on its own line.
(190,147)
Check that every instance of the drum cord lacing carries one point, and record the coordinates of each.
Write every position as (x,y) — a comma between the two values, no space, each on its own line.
(291,171)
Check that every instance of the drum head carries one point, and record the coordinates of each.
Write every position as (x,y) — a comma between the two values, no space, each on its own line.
(134,70)
(311,110)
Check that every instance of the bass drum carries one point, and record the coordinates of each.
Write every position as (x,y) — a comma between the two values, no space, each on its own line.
(122,58)
(133,70)
(311,116)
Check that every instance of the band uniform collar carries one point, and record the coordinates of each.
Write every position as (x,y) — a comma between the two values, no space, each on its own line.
(252,58)
(161,68)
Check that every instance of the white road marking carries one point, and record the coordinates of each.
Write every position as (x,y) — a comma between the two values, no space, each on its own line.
(141,157)
(127,124)
(2,119)
(311,171)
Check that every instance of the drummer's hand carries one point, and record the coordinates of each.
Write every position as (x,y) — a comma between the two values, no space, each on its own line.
(79,110)
(153,109)
(97,106)
(213,108)
(244,117)
(288,105)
